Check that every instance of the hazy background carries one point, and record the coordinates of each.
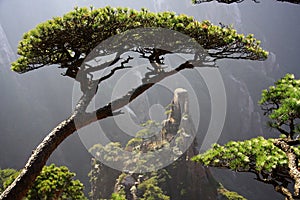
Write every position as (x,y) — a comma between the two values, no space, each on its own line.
(33,103)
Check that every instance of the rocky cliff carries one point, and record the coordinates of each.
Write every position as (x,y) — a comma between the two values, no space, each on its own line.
(182,179)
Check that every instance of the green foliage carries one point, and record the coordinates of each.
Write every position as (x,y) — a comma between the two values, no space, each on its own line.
(63,40)
(152,128)
(10,179)
(134,143)
(118,196)
(131,159)
(5,174)
(151,191)
(113,151)
(282,105)
(273,161)
(53,183)
(168,109)
(147,186)
(230,195)
(256,154)
(134,157)
(140,153)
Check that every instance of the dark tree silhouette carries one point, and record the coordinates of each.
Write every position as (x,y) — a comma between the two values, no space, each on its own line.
(68,41)
(274,161)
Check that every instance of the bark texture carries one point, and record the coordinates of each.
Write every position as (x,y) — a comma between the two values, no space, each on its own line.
(293,168)
(19,188)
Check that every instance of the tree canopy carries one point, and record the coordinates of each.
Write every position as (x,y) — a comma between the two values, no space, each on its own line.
(52,183)
(5,174)
(67,40)
(258,155)
(281,103)
(274,161)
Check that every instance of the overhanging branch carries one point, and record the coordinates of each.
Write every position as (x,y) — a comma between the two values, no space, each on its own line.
(115,105)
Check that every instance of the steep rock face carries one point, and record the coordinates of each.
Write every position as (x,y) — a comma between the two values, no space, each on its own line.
(102,179)
(192,181)
(183,179)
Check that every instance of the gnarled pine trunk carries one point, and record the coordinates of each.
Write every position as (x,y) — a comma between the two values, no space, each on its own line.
(19,188)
